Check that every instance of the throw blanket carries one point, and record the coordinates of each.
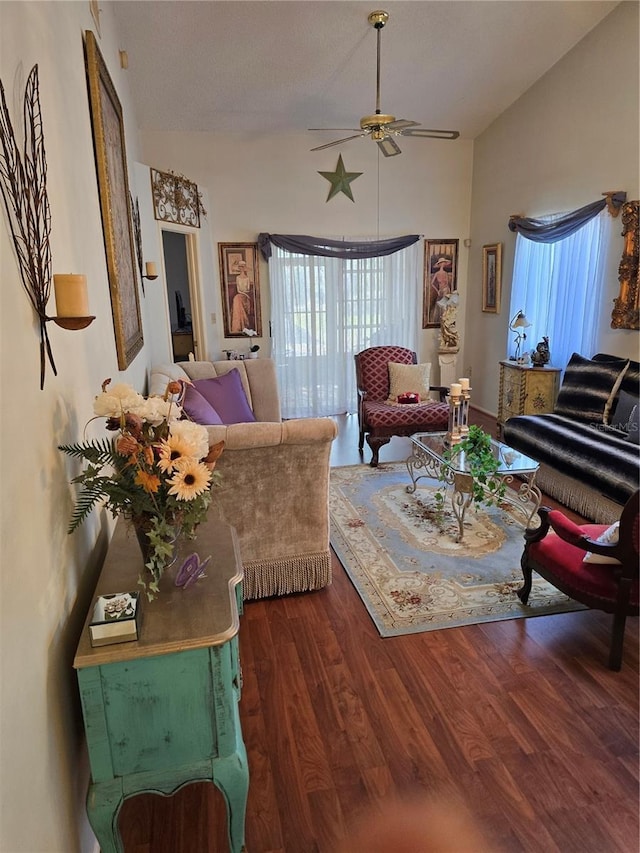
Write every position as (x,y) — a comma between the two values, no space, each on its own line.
(598,457)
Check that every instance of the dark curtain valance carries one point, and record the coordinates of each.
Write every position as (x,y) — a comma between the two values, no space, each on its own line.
(301,244)
(564,226)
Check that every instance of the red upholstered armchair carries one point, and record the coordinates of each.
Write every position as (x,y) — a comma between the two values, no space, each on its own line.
(556,551)
(380,420)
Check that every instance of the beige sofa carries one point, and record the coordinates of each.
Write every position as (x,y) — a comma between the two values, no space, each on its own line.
(275,481)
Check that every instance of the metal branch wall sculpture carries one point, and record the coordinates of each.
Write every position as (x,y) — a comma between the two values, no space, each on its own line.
(23,185)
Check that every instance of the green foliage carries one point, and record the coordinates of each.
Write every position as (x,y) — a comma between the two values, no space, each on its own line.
(481,463)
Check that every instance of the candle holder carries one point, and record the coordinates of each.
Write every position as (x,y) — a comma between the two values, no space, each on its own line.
(458,399)
(454,432)
(72,323)
(464,415)
(150,270)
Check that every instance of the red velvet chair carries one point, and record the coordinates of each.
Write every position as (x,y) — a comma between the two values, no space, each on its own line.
(556,551)
(379,420)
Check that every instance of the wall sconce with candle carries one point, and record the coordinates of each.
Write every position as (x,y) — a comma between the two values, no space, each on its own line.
(148,271)
(23,187)
(151,271)
(72,302)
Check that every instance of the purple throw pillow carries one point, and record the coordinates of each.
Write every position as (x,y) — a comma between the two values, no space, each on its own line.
(227,396)
(199,410)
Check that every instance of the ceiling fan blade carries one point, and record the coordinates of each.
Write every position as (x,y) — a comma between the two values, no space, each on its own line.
(335,129)
(388,146)
(400,124)
(431,134)
(339,141)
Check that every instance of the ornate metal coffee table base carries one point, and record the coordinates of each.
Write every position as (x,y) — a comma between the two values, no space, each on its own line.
(427,462)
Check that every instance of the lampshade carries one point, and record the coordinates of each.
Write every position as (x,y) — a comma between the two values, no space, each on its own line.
(519,322)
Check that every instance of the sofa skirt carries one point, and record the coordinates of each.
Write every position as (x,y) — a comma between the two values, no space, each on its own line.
(264,578)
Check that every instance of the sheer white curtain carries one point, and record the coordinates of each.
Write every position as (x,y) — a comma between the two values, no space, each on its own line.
(559,287)
(324,310)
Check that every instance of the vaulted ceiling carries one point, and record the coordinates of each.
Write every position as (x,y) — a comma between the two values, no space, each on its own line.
(281,67)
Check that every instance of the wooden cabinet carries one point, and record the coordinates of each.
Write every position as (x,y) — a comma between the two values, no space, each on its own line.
(162,711)
(526,391)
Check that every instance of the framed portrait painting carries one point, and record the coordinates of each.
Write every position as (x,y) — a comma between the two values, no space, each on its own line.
(440,278)
(113,187)
(491,277)
(240,284)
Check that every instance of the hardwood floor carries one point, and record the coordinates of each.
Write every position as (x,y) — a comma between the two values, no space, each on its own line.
(520,720)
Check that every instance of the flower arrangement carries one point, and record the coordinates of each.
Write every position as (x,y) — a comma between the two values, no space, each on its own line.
(157,472)
(250,333)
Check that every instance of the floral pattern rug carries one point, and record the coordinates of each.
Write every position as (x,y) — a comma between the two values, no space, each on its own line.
(406,565)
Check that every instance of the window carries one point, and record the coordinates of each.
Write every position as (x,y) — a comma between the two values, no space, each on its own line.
(324,311)
(559,288)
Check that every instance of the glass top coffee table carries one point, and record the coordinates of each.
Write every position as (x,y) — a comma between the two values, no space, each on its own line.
(428,459)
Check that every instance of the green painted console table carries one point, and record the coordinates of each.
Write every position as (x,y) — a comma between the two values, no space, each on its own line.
(162,711)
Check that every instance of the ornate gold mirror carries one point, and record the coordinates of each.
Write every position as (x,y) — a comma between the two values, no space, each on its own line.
(625,311)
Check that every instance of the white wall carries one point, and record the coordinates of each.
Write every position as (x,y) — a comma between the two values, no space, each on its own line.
(272,184)
(47,576)
(571,137)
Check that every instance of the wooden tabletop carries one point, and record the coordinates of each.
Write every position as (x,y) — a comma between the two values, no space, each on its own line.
(202,615)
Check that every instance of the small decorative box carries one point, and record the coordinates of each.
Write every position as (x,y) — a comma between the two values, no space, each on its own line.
(409,397)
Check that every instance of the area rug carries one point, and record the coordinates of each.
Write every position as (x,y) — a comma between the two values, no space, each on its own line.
(406,565)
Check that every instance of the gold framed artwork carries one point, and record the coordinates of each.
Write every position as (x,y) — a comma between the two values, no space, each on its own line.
(626,314)
(491,277)
(240,284)
(440,278)
(113,187)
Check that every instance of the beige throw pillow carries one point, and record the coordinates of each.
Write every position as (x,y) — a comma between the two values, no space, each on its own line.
(408,377)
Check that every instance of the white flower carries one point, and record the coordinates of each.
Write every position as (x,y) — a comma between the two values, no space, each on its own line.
(195,435)
(154,410)
(118,399)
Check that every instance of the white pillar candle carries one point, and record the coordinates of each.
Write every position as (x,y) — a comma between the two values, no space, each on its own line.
(464,383)
(456,389)
(71,295)
(151,269)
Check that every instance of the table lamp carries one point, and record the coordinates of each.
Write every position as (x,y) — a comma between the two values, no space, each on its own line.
(517,325)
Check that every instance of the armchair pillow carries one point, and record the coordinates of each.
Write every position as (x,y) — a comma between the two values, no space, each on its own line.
(227,396)
(607,537)
(409,377)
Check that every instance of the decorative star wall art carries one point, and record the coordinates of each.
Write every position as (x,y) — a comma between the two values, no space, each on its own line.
(340,180)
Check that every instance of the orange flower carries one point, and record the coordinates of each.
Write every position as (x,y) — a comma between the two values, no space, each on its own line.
(126,445)
(149,482)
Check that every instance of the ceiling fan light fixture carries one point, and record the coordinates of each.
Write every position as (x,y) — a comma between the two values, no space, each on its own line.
(381,127)
(375,121)
(378,19)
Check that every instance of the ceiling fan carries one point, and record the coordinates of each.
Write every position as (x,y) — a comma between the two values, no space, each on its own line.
(380,127)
